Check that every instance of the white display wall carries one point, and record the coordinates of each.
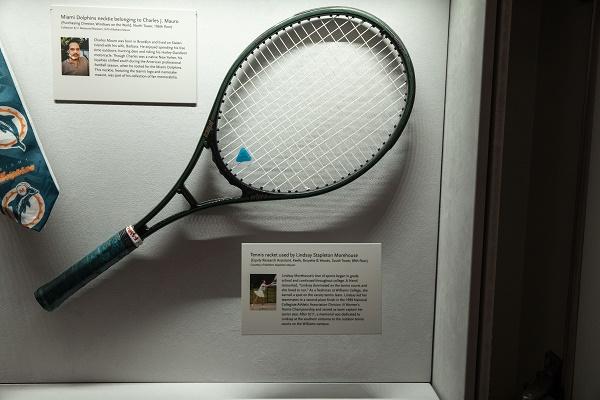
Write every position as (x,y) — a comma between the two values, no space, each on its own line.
(171,311)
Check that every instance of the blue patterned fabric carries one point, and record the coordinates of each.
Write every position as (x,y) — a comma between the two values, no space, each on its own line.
(27,189)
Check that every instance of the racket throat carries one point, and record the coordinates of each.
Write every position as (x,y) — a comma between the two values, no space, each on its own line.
(183,190)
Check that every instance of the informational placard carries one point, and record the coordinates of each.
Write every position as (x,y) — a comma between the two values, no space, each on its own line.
(123,54)
(311,288)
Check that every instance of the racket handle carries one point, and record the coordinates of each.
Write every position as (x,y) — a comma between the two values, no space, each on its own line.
(53,293)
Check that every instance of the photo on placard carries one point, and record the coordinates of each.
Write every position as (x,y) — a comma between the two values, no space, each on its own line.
(75,56)
(263,292)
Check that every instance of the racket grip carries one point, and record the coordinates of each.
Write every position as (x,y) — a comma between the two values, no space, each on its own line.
(53,293)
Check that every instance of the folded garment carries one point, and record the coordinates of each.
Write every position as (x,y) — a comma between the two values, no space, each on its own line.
(28,189)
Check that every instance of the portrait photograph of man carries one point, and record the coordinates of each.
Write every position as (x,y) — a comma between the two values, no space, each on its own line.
(75,53)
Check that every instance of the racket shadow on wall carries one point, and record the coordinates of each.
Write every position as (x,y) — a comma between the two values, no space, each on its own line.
(307,108)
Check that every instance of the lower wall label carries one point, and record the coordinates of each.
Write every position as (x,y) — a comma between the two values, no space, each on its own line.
(311,288)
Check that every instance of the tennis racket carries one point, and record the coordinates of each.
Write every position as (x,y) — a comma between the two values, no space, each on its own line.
(307,108)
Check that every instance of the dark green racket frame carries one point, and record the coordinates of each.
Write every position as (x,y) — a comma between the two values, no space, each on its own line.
(52,294)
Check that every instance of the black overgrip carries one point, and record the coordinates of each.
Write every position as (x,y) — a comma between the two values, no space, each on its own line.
(53,293)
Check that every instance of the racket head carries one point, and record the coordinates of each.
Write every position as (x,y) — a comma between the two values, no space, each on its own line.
(269,146)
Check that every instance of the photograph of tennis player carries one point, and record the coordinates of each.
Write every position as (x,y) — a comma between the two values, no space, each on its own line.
(263,291)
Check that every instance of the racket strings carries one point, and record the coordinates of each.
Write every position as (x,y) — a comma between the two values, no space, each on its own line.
(276,103)
(315,162)
(291,78)
(330,150)
(297,40)
(346,168)
(285,82)
(269,132)
(310,58)
(317,169)
(312,105)
(314,102)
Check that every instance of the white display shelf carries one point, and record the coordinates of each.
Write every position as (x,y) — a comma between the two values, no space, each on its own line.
(217,391)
